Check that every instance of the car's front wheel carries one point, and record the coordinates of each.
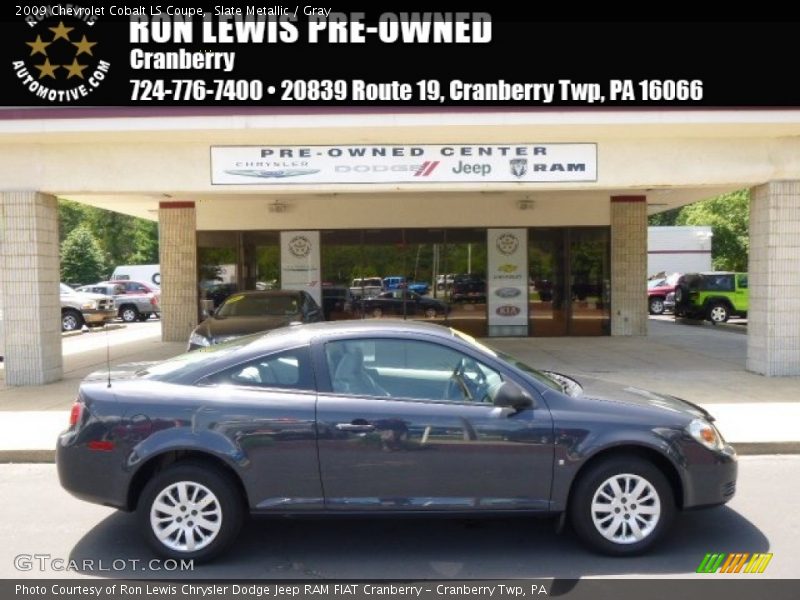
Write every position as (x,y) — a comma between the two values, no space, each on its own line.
(656,306)
(621,506)
(129,314)
(71,320)
(190,511)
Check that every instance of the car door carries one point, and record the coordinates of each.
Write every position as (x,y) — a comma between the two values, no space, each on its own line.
(397,431)
(265,406)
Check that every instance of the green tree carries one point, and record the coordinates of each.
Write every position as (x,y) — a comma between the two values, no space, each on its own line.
(729,217)
(81,259)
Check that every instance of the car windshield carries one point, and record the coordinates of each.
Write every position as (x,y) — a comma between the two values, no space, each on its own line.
(65,289)
(176,366)
(259,305)
(654,283)
(540,376)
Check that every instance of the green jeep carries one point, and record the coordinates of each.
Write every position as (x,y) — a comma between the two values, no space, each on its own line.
(714,296)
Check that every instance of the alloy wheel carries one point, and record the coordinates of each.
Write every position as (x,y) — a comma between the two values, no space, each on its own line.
(626,508)
(186,516)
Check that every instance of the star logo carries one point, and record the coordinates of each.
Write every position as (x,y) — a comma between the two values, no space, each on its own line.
(75,70)
(46,69)
(61,31)
(84,46)
(61,64)
(38,46)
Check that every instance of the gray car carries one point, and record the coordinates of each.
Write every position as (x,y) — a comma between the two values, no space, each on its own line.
(383,418)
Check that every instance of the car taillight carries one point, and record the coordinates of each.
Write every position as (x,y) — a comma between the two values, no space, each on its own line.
(154,301)
(75,413)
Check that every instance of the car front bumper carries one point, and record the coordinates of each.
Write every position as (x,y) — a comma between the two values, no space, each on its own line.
(709,477)
(98,316)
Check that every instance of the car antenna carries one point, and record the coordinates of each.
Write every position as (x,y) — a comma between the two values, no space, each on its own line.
(108,355)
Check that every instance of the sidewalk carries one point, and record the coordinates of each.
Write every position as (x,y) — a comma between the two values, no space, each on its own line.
(703,365)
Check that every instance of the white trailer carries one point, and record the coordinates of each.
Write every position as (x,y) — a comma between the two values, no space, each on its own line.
(679,249)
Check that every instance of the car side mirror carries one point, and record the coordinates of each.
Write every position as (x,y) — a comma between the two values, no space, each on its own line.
(509,395)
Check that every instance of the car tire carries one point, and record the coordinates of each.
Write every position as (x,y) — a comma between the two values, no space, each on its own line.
(377,312)
(194,484)
(71,320)
(718,313)
(656,306)
(129,314)
(430,313)
(613,482)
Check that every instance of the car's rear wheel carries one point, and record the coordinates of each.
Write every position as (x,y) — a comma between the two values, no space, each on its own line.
(718,313)
(129,314)
(71,320)
(190,511)
(377,312)
(621,506)
(656,306)
(430,313)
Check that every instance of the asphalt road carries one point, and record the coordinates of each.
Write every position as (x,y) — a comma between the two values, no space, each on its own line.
(40,518)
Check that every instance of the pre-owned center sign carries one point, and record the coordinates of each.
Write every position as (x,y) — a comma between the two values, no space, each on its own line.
(455,163)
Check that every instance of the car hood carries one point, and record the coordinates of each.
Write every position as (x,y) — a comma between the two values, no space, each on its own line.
(221,329)
(607,391)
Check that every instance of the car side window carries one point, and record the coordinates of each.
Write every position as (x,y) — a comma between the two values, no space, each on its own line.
(408,369)
(742,281)
(285,370)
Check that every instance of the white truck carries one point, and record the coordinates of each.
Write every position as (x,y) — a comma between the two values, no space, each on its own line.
(148,273)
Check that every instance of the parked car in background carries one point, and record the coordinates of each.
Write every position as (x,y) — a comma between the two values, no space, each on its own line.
(397,282)
(245,313)
(657,291)
(402,302)
(715,296)
(134,301)
(82,308)
(336,300)
(384,418)
(366,287)
(468,287)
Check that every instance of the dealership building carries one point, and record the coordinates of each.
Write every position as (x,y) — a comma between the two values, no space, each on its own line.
(547,210)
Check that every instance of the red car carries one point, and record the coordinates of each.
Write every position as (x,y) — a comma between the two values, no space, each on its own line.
(657,290)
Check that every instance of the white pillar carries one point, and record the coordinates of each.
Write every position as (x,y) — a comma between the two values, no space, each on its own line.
(773,320)
(29,278)
(177,242)
(628,265)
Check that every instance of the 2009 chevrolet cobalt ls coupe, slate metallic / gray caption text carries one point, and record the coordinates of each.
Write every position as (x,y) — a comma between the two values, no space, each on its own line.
(361,417)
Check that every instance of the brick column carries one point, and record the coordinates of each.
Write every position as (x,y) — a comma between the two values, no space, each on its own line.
(177,242)
(773,325)
(628,265)
(29,278)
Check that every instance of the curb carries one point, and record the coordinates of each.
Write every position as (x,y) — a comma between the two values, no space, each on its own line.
(742,449)
(724,326)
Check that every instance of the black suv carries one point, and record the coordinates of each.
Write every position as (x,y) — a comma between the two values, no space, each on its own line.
(714,296)
(468,287)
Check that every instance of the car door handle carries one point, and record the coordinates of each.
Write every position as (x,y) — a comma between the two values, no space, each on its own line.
(355,427)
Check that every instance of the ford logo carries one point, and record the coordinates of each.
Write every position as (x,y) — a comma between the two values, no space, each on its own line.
(508,292)
(508,311)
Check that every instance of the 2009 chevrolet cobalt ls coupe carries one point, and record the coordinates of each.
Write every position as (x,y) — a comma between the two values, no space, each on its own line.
(383,418)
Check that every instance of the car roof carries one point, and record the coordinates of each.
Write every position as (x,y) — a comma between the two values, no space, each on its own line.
(303,334)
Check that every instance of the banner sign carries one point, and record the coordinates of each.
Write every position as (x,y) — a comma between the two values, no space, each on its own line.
(300,262)
(507,281)
(386,163)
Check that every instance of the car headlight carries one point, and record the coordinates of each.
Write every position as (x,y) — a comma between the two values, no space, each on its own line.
(198,340)
(90,305)
(705,433)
